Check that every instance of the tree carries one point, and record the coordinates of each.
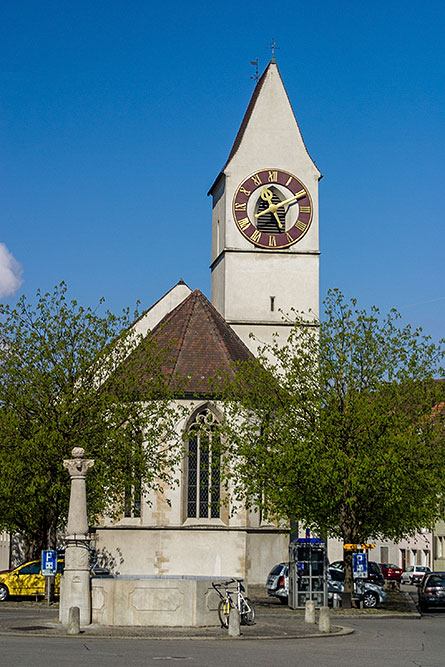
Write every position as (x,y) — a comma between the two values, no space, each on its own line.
(60,387)
(341,427)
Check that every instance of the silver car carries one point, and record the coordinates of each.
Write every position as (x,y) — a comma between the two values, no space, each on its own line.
(371,595)
(277,583)
(414,574)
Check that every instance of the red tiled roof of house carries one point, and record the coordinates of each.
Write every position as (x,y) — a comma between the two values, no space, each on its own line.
(197,343)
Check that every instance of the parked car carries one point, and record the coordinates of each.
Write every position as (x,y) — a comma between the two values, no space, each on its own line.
(367,592)
(432,590)
(391,572)
(277,585)
(414,574)
(26,579)
(374,572)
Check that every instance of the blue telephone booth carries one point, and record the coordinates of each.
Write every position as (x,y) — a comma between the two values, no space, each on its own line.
(307,572)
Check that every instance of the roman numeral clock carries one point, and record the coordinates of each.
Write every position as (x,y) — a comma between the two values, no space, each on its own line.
(272,208)
(265,253)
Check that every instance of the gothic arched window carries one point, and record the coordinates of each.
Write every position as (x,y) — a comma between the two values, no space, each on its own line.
(203,467)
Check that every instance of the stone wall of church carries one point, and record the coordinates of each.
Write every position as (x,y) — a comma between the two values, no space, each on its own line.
(164,540)
(196,551)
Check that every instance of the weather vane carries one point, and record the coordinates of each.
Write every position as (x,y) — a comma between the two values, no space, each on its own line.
(273,46)
(255,76)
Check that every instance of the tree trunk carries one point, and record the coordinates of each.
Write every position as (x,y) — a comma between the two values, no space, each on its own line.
(346,526)
(349,581)
(35,543)
(32,547)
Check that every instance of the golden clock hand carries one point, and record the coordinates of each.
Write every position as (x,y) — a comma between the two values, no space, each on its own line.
(299,195)
(267,195)
(286,201)
(274,207)
(271,209)
(280,225)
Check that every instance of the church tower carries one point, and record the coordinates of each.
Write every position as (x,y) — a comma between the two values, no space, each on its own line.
(265,252)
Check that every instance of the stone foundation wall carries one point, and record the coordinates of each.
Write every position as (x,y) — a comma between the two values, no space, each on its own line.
(154,601)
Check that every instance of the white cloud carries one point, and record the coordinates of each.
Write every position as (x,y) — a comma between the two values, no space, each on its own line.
(10,272)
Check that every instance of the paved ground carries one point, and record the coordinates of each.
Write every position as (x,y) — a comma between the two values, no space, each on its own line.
(397,642)
(272,621)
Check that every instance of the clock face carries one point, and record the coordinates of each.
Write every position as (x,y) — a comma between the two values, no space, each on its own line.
(272,209)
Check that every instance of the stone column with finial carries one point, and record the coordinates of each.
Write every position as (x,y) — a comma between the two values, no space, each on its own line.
(75,585)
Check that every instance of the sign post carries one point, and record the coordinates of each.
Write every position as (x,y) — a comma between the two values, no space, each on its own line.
(49,570)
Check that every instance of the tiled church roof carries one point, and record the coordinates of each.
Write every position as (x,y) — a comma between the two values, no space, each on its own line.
(198,343)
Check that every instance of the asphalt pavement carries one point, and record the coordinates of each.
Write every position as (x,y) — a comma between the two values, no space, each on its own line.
(272,621)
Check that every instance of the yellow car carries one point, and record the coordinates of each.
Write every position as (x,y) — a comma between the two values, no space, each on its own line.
(27,579)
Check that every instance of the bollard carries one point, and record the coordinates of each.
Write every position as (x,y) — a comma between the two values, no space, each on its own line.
(234,622)
(324,622)
(335,601)
(309,614)
(74,621)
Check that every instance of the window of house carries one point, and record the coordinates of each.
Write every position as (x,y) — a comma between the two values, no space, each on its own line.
(203,467)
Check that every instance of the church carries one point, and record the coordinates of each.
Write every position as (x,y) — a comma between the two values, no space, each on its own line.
(264,262)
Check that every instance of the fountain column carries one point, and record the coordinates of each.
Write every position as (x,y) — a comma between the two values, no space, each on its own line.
(75,584)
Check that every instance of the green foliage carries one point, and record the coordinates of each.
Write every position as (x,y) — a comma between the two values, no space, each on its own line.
(60,387)
(340,427)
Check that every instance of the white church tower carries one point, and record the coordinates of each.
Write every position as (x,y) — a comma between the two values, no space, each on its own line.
(265,252)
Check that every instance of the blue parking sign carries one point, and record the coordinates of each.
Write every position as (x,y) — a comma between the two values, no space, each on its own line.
(360,565)
(49,563)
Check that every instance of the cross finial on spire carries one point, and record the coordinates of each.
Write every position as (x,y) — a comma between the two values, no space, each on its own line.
(273,46)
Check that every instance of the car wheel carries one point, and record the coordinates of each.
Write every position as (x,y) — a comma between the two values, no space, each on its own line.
(370,599)
(423,606)
(4,593)
(412,581)
(283,600)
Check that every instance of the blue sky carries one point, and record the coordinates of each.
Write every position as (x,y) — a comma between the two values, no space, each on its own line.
(108,106)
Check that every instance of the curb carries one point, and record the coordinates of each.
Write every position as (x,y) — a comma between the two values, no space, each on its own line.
(341,631)
(408,616)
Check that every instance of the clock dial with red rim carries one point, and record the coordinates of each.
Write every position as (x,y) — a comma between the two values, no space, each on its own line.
(272,209)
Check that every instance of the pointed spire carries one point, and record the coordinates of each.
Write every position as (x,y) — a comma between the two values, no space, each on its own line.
(269,112)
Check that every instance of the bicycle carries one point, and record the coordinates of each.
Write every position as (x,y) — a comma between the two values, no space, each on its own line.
(227,602)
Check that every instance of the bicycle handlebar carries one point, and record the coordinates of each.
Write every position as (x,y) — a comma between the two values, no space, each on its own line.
(220,584)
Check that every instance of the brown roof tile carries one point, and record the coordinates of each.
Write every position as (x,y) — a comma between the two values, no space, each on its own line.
(197,343)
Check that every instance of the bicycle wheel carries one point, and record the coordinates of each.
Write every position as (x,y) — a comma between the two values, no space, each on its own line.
(247,615)
(223,612)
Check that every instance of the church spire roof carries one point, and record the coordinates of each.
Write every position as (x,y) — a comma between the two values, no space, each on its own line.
(268,108)
(248,113)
